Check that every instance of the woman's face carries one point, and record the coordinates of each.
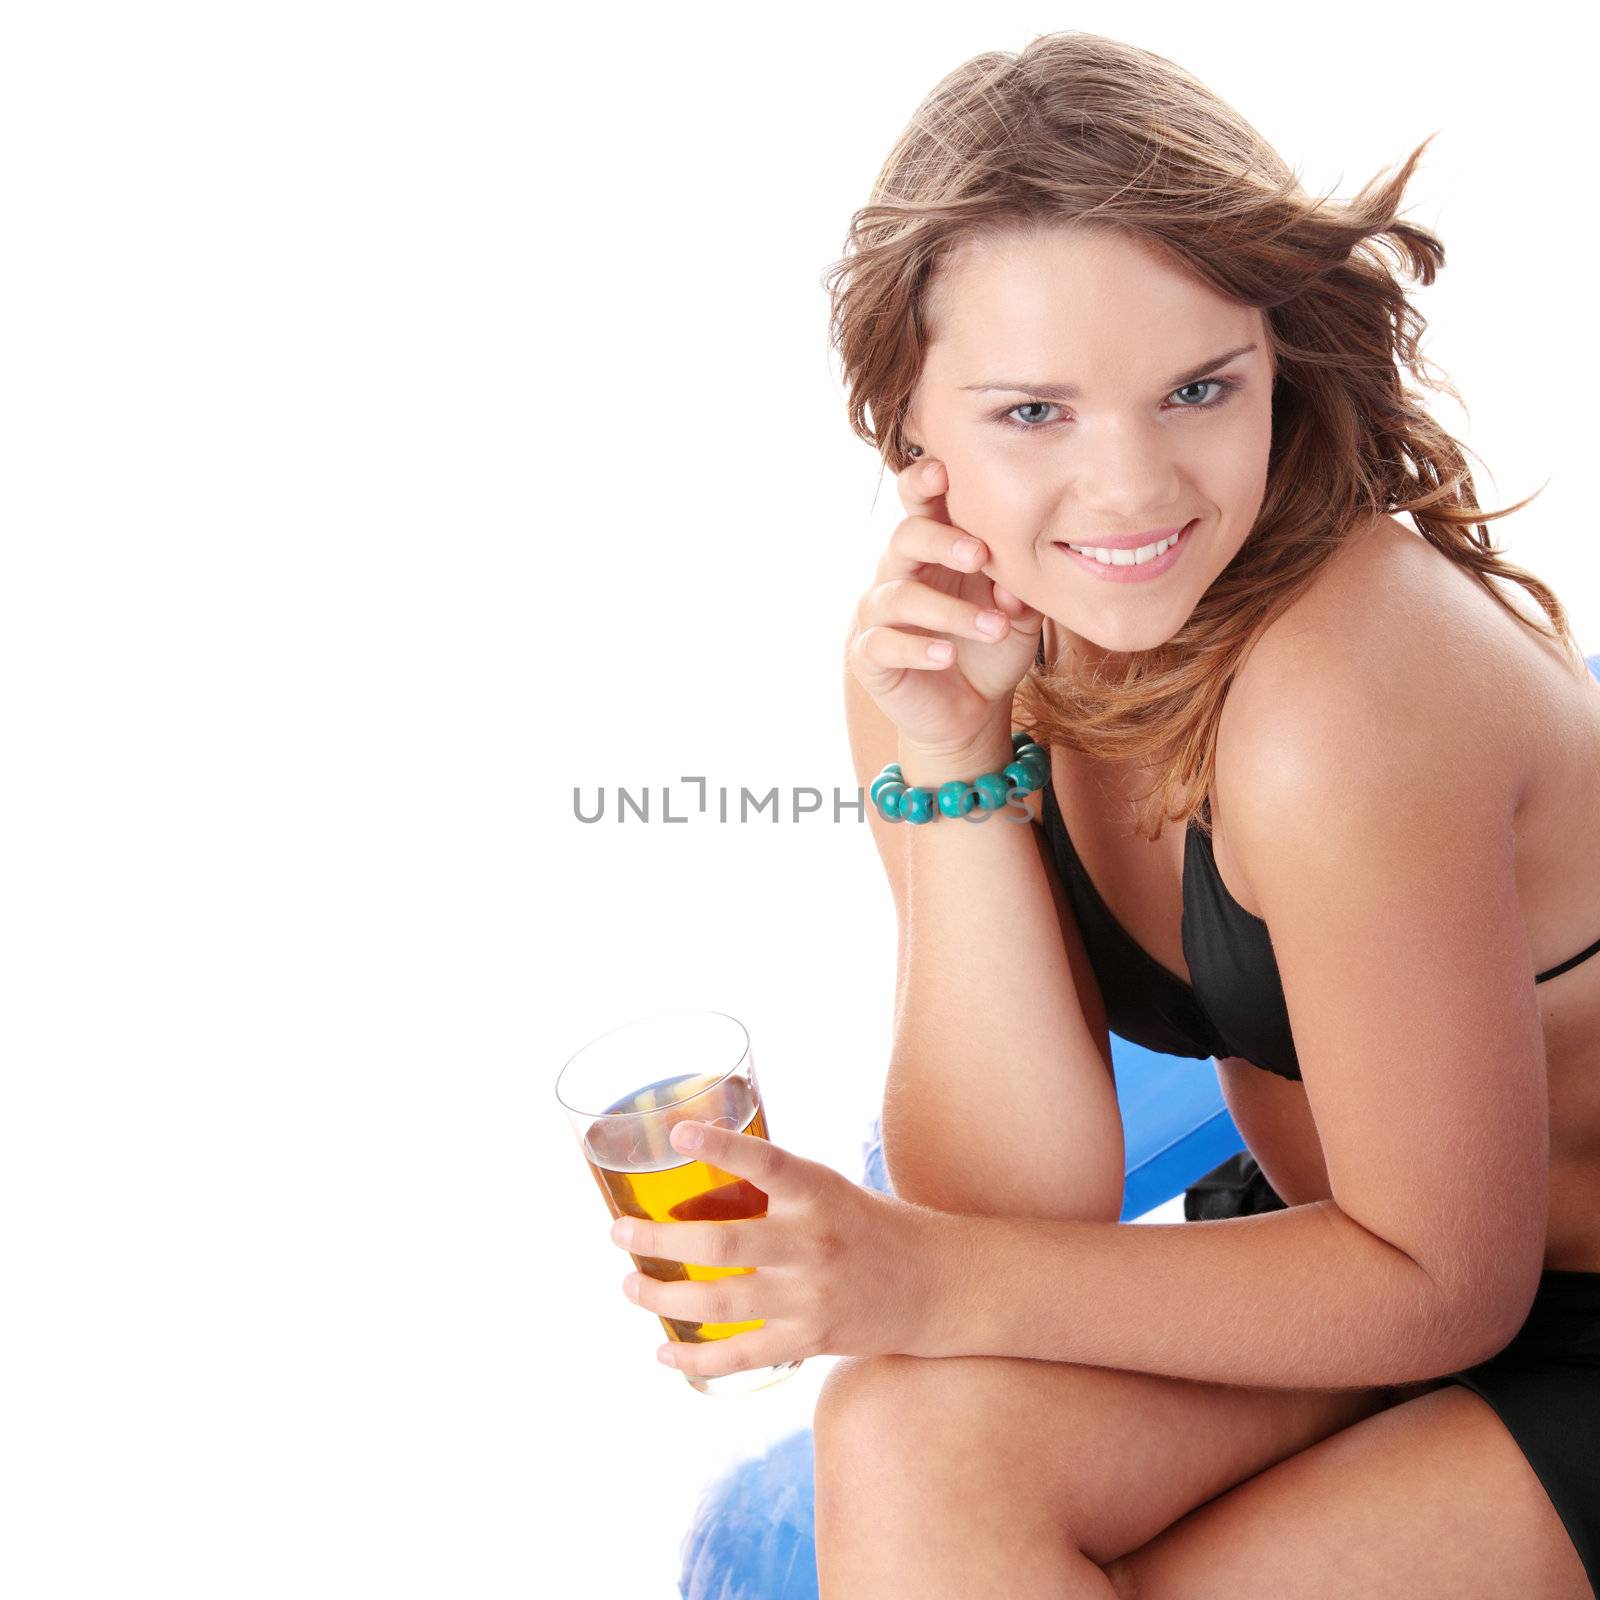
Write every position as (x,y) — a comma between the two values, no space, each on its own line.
(1078,389)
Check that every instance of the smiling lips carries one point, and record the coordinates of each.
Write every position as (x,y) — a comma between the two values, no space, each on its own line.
(1135,557)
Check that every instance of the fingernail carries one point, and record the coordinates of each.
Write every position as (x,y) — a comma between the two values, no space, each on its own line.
(690,1136)
(630,1286)
(930,473)
(622,1230)
(990,621)
(965,549)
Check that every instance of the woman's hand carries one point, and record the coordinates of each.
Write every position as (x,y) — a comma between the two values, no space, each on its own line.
(931,587)
(840,1269)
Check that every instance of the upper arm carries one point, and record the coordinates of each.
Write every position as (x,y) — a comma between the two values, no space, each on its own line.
(1370,795)
(1272,1114)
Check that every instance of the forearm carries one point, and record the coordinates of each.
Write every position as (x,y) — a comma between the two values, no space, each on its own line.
(999,1101)
(1301,1298)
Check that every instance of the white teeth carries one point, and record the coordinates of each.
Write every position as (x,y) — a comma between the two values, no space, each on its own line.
(1126,558)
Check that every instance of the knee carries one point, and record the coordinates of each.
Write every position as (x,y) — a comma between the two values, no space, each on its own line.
(856,1440)
(861,1395)
(896,1439)
(878,1410)
(906,1406)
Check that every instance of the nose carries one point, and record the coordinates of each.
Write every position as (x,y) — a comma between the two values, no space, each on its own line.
(1126,475)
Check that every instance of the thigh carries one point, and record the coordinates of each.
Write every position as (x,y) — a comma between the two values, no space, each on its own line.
(1107,1457)
(1433,1500)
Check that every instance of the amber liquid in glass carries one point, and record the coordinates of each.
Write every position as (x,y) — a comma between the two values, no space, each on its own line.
(641,1175)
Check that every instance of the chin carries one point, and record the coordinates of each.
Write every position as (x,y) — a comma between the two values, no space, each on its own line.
(1125,635)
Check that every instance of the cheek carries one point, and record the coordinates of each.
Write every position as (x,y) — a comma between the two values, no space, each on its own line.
(1012,536)
(1257,445)
(1235,468)
(996,496)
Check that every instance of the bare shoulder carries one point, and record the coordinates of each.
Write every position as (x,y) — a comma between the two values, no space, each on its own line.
(1394,661)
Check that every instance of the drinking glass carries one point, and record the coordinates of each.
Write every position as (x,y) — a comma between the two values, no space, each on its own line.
(623,1093)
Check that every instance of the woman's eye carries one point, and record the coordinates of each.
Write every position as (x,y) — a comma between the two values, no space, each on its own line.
(1223,386)
(1204,383)
(1030,405)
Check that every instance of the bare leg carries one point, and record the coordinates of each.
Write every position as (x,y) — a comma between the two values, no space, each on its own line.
(986,1475)
(954,1527)
(937,1534)
(940,1559)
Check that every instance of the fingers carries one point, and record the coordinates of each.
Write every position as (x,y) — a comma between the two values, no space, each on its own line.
(883,646)
(927,533)
(920,539)
(922,489)
(1014,605)
(706,1244)
(920,589)
(906,602)
(744,1352)
(741,1297)
(880,655)
(769,1167)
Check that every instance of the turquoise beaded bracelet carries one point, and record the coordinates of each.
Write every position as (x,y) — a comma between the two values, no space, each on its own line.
(896,802)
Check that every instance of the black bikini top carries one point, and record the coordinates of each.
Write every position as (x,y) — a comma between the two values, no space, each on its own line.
(1236,1006)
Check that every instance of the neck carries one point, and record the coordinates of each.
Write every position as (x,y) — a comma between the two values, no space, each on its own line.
(1061,642)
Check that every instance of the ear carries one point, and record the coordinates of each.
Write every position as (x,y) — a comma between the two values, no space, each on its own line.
(909,433)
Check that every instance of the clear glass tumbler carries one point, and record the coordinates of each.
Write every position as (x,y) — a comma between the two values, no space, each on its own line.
(623,1093)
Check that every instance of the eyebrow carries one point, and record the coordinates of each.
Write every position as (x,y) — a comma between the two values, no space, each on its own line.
(1068,391)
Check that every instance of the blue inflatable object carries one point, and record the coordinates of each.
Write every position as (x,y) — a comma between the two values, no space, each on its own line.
(752,1537)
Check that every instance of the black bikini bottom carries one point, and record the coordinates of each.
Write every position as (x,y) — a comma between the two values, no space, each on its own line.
(1545,1387)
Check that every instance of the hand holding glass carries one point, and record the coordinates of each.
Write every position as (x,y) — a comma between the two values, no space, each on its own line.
(623,1094)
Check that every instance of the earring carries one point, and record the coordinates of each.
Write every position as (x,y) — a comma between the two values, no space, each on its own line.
(913,449)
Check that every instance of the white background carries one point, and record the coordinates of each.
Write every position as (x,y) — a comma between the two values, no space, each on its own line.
(412,412)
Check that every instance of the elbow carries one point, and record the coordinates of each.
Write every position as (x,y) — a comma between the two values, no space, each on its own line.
(992,1181)
(1476,1318)
(1480,1283)
(1488,1320)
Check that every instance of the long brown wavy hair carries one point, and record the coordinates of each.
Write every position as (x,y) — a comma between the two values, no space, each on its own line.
(1078,129)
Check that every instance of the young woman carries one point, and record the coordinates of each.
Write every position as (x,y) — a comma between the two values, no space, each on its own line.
(1323,804)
